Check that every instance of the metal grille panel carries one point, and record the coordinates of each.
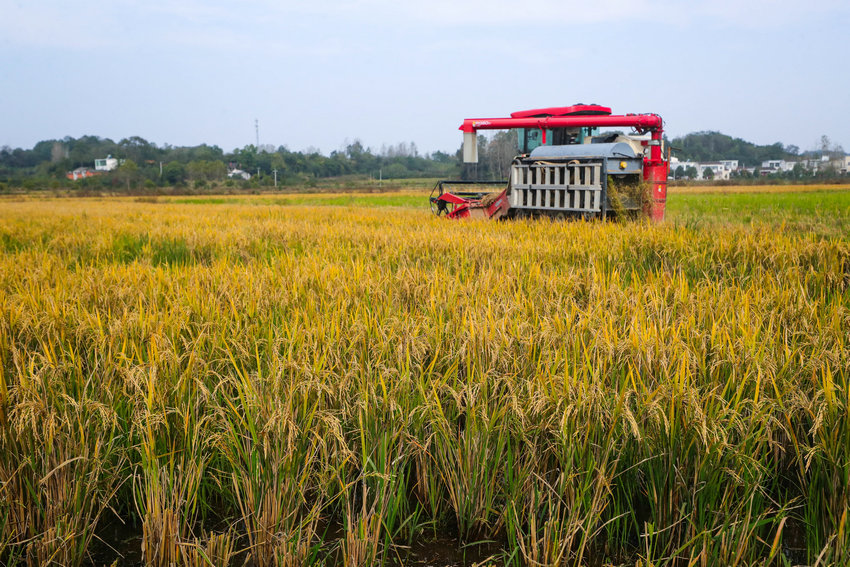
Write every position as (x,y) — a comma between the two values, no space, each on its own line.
(557,186)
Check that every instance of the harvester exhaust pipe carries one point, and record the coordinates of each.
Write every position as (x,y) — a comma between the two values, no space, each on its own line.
(470,147)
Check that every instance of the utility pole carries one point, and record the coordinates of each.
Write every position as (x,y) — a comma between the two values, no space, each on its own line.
(275,178)
(257,130)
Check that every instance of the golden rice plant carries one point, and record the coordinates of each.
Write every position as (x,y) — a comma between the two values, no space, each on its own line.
(271,455)
(320,384)
(216,551)
(60,460)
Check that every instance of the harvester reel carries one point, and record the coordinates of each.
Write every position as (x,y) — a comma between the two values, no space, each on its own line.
(438,207)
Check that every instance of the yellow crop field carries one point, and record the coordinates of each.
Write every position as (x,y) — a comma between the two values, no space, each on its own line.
(282,381)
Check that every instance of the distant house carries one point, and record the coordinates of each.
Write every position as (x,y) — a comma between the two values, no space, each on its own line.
(718,170)
(841,165)
(234,173)
(81,173)
(776,166)
(107,164)
(772,166)
(675,164)
(813,165)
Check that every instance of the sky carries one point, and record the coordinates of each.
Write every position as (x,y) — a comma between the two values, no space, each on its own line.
(323,73)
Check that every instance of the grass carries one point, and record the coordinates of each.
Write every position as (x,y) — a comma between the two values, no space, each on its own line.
(824,212)
(273,381)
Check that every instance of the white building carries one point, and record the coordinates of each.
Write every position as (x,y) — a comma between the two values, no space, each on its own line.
(772,166)
(718,170)
(107,164)
(234,173)
(813,165)
(841,165)
(675,164)
(776,166)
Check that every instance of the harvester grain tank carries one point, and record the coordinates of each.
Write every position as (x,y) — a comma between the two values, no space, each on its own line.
(566,168)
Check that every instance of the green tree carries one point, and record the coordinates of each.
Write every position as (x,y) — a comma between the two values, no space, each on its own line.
(174,172)
(203,170)
(246,158)
(714,146)
(396,171)
(279,163)
(138,149)
(128,172)
(501,150)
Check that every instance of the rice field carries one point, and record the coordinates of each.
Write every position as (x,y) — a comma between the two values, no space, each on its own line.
(344,380)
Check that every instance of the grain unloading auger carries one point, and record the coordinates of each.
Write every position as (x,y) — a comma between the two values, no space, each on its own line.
(566,168)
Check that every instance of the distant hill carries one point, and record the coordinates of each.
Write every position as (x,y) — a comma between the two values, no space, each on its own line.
(714,146)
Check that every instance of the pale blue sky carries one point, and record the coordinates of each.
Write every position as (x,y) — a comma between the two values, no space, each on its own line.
(323,72)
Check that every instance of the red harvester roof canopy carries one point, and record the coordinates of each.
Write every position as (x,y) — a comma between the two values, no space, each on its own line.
(574,110)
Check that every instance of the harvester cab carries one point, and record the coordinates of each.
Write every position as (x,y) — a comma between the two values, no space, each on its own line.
(566,167)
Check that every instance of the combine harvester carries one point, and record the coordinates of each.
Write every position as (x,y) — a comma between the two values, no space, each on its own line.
(565,168)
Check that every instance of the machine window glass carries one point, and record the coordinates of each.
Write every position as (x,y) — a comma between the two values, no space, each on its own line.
(534,138)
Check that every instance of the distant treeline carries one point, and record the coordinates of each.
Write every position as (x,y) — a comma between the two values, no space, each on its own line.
(146,164)
(714,146)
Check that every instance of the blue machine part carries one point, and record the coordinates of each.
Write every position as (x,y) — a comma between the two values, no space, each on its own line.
(621,157)
(616,150)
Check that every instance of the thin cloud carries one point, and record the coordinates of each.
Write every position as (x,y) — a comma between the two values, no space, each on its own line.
(266,23)
(54,26)
(763,14)
(549,13)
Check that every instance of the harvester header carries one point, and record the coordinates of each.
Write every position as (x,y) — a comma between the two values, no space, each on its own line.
(566,168)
